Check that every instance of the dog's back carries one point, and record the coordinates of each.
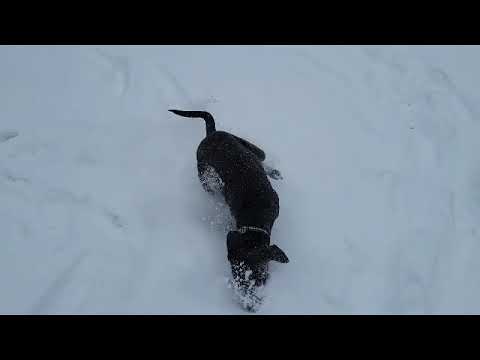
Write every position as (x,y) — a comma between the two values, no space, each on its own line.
(246,188)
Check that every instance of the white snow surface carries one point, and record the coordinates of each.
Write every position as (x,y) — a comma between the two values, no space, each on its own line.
(101,210)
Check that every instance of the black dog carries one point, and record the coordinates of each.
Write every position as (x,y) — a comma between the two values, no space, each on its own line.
(233,166)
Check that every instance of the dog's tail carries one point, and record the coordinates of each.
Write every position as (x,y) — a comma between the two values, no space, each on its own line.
(209,121)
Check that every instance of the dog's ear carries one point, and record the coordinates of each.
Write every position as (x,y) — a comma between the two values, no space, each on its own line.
(277,254)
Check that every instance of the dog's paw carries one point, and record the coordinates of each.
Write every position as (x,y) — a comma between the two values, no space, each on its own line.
(275,174)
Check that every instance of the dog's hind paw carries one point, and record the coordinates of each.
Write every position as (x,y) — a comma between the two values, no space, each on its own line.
(275,174)
(271,172)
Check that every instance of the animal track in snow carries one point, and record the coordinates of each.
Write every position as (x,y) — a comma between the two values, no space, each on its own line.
(121,68)
(7,135)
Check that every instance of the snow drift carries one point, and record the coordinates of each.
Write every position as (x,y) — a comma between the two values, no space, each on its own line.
(101,211)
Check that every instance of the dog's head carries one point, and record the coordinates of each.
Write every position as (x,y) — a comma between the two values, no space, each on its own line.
(249,254)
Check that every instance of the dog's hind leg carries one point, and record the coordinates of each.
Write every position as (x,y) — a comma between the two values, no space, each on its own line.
(211,182)
(202,175)
(253,148)
(273,173)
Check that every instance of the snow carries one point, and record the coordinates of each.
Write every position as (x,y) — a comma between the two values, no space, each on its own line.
(101,210)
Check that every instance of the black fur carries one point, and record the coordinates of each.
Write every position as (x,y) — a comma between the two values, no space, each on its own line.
(248,192)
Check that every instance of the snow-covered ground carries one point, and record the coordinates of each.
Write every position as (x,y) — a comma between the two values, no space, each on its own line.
(101,211)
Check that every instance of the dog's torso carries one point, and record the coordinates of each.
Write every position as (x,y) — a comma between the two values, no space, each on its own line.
(245,186)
